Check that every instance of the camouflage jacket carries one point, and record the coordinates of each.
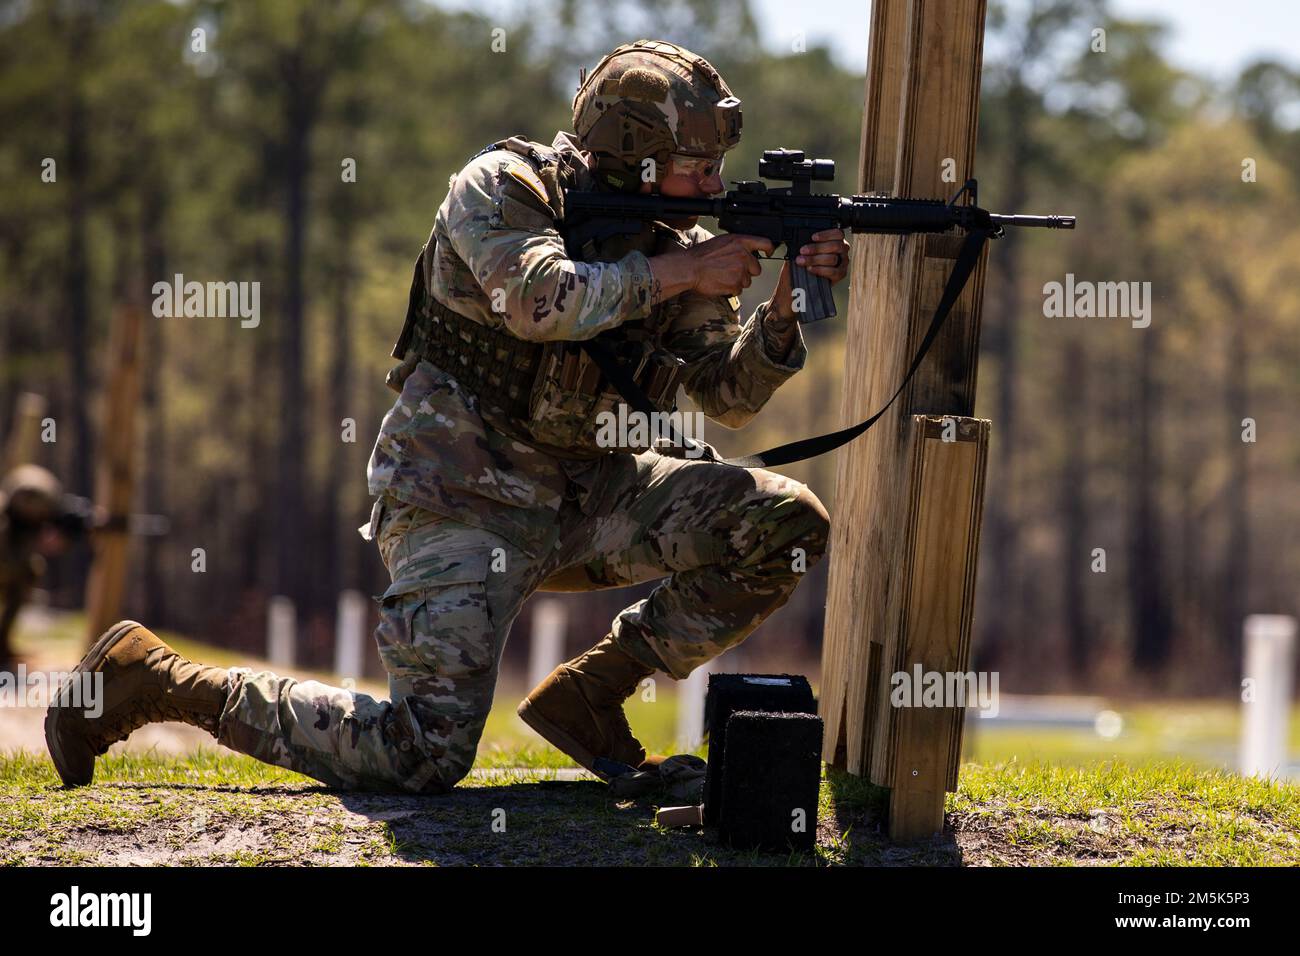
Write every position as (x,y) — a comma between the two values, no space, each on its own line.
(495,256)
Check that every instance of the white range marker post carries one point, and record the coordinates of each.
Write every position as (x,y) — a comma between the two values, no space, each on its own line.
(281,632)
(550,621)
(690,706)
(1270,654)
(350,635)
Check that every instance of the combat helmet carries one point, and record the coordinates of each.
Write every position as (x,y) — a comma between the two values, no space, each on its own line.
(31,494)
(650,99)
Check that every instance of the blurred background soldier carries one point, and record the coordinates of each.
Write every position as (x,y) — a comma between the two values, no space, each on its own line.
(37,521)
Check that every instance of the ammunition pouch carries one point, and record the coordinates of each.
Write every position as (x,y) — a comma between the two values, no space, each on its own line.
(571,396)
(497,367)
(551,394)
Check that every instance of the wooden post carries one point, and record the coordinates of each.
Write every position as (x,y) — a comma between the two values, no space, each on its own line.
(115,481)
(908,505)
(916,750)
(25,433)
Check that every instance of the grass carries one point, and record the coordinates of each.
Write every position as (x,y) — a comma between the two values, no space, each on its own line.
(210,808)
(1158,794)
(1153,814)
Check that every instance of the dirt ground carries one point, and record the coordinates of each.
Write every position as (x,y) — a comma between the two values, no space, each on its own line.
(525,817)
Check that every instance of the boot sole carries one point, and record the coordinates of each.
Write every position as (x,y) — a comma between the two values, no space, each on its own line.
(94,657)
(558,738)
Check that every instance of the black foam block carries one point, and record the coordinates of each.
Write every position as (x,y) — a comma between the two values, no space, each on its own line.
(728,693)
(772,781)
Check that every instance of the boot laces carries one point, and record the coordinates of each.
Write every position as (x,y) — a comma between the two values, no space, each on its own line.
(151,709)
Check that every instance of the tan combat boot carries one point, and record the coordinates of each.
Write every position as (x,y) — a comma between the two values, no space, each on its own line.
(579,709)
(144,681)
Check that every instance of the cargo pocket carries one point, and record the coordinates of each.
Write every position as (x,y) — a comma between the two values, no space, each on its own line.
(436,635)
(564,397)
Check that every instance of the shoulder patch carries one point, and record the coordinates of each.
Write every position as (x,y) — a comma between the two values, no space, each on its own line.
(526,175)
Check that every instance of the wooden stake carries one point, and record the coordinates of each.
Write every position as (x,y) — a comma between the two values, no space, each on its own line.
(24,440)
(917,750)
(918,140)
(115,481)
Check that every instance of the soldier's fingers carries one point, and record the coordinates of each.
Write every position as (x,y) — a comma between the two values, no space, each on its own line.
(823,259)
(814,248)
(827,234)
(754,243)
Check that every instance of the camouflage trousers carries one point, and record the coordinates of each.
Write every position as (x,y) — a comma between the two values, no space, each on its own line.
(733,543)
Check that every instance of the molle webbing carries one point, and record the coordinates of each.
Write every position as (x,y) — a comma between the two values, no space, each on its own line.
(496,366)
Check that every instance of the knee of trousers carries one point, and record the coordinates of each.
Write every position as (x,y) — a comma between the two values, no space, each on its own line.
(799,521)
(434,752)
(347,739)
(440,645)
(816,521)
(415,752)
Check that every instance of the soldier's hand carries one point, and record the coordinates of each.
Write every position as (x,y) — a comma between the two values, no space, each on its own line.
(826,256)
(724,265)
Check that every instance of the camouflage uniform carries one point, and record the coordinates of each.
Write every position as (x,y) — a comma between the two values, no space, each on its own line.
(475,512)
(21,565)
(20,568)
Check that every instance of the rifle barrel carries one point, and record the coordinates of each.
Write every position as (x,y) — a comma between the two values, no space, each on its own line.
(1040,222)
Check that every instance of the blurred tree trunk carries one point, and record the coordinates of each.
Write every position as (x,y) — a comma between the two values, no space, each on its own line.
(301,99)
(339,546)
(1149,595)
(1002,614)
(153,209)
(1076,565)
(262,468)
(1236,401)
(75,169)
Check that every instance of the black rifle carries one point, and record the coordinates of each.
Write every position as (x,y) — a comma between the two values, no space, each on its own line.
(80,517)
(791,215)
(788,216)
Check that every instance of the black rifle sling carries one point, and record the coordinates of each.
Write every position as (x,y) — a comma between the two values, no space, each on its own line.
(967,257)
(627,387)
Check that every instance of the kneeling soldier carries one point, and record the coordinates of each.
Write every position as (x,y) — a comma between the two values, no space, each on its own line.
(490,479)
